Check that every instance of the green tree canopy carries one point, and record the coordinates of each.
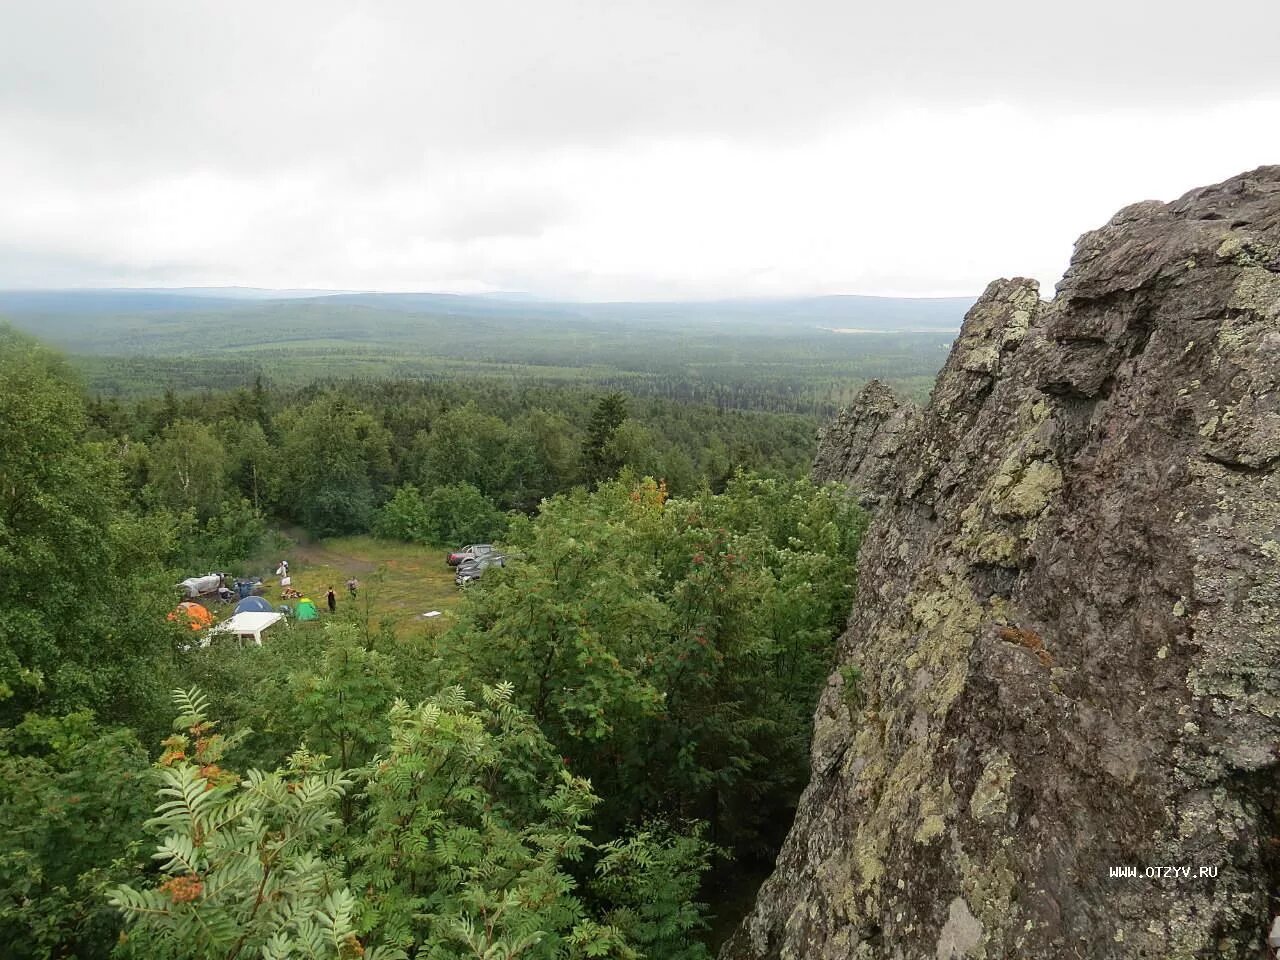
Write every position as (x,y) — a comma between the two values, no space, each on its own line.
(74,626)
(189,468)
(335,462)
(454,513)
(600,460)
(464,445)
(673,649)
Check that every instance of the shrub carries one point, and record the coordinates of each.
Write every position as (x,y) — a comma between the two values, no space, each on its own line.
(649,880)
(73,798)
(241,862)
(454,513)
(473,822)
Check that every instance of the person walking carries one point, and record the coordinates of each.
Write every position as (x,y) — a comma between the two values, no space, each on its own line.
(332,599)
(352,586)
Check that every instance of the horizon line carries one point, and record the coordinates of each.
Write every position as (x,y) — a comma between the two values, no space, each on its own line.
(318,292)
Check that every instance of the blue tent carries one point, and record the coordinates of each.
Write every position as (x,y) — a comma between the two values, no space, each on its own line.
(254,605)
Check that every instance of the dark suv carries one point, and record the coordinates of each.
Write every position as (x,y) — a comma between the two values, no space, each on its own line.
(474,568)
(471,551)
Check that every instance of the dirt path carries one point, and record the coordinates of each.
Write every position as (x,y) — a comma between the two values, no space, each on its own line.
(308,552)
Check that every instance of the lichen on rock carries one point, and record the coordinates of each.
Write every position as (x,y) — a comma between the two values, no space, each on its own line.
(1067,621)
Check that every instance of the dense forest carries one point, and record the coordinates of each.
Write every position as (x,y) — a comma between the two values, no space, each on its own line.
(804,357)
(328,455)
(608,737)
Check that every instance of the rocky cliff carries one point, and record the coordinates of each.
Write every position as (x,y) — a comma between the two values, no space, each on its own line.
(861,446)
(1064,657)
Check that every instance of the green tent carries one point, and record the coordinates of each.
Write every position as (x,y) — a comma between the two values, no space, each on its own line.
(306,610)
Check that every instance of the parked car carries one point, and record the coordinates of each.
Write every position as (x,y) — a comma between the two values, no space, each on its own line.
(470,552)
(195,587)
(473,569)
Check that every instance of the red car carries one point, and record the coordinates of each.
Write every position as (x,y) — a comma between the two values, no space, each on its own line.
(469,552)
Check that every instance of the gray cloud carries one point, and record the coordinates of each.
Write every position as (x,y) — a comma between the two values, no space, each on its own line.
(246,83)
(354,133)
(503,216)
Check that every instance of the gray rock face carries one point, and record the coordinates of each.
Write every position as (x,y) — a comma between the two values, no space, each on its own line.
(1067,629)
(860,446)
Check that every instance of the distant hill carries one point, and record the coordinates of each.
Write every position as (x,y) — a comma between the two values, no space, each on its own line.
(805,355)
(832,312)
(18,303)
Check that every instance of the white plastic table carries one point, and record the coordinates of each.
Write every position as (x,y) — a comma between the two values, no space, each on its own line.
(245,626)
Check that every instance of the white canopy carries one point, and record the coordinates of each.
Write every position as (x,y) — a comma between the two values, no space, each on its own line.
(245,626)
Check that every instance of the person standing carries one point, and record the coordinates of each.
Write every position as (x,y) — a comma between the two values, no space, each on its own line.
(352,586)
(332,599)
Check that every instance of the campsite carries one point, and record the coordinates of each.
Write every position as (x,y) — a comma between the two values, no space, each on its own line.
(398,585)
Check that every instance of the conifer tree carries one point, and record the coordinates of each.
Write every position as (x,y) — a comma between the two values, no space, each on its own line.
(599,460)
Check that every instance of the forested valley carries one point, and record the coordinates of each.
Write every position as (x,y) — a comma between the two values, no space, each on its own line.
(592,755)
(806,357)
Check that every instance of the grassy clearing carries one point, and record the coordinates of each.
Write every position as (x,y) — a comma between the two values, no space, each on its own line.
(399,582)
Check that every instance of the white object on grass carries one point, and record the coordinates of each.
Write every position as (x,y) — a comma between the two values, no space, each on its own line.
(244,626)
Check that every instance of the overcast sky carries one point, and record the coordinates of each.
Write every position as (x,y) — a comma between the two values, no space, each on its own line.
(609,148)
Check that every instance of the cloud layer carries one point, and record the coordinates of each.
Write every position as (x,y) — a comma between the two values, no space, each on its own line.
(638,149)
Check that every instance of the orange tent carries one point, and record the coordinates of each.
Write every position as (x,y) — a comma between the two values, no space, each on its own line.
(193,614)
